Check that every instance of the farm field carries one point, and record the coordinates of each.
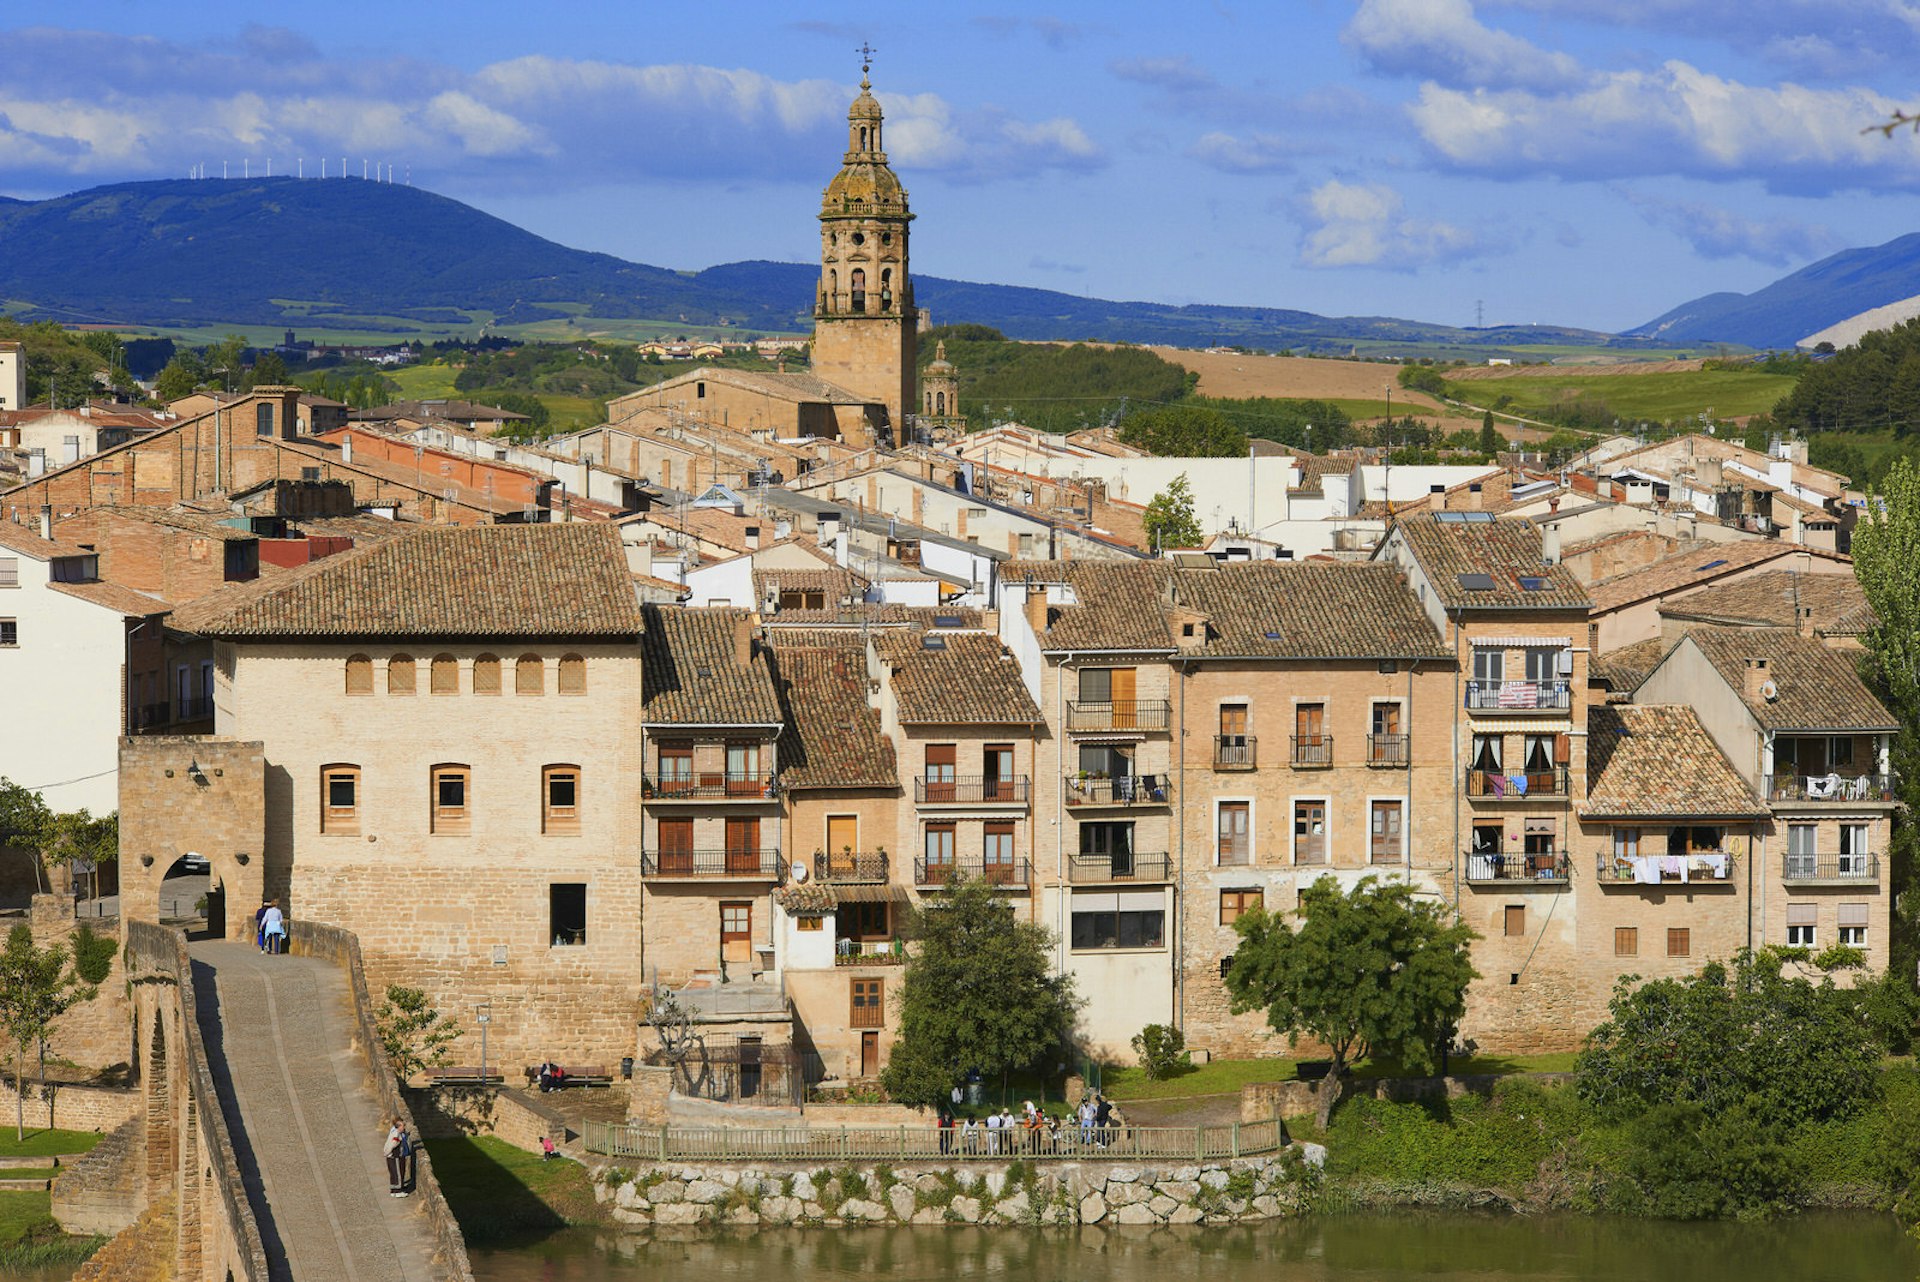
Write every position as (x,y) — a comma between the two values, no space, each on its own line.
(1661,392)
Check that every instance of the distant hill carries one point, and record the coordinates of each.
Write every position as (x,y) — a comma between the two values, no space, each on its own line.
(343,254)
(1796,307)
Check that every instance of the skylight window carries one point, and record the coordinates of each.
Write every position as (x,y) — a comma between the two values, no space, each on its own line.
(1476,582)
(1714,565)
(1530,583)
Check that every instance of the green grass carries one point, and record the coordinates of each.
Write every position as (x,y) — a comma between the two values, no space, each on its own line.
(45,1143)
(1227,1076)
(499,1192)
(424,382)
(28,1172)
(1655,397)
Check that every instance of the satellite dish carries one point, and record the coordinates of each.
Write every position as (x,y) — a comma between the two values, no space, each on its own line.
(1769,691)
(799,871)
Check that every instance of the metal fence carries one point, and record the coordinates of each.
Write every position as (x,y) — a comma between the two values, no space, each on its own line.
(927,1143)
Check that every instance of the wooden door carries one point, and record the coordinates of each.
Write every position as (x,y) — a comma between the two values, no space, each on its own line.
(1125,714)
(1235,844)
(743,846)
(996,860)
(676,845)
(869,1054)
(736,932)
(843,844)
(940,763)
(1310,832)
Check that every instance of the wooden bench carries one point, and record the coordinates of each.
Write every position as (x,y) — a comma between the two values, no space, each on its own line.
(574,1075)
(465,1075)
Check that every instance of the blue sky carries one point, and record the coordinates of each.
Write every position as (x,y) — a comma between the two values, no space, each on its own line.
(1585,162)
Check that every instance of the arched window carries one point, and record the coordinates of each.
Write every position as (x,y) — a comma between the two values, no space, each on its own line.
(940,399)
(444,677)
(886,288)
(857,284)
(863,137)
(529,675)
(833,288)
(486,674)
(573,674)
(401,674)
(359,674)
(929,402)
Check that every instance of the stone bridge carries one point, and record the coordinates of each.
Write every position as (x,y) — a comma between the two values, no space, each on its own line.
(255,1152)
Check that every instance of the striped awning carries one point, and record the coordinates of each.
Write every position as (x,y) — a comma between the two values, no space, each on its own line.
(870,894)
(1523,643)
(1522,725)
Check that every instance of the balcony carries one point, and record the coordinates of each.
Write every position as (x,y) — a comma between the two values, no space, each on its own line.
(198,708)
(1845,787)
(1495,785)
(1553,868)
(972,790)
(1519,696)
(702,864)
(1125,716)
(1311,751)
(1013,874)
(1830,870)
(1124,866)
(1708,867)
(1235,751)
(850,868)
(1387,751)
(711,785)
(149,715)
(1119,790)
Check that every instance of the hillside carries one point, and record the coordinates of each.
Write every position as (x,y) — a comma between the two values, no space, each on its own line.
(1796,307)
(346,255)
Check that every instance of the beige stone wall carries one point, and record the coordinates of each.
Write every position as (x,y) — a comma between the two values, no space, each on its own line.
(167,811)
(75,1107)
(465,916)
(683,928)
(872,356)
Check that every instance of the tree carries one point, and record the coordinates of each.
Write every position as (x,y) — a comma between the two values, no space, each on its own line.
(1170,522)
(980,992)
(1490,439)
(1371,973)
(1184,431)
(181,377)
(37,987)
(1886,561)
(412,1032)
(24,819)
(226,358)
(268,371)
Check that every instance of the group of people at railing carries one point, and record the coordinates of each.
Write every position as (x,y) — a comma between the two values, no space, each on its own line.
(1095,1123)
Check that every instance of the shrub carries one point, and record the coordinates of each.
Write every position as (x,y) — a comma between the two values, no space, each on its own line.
(1162,1050)
(93,954)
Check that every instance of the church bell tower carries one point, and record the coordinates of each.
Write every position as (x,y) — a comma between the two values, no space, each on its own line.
(865,325)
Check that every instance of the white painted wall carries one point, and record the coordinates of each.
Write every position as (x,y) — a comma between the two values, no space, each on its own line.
(62,685)
(728,582)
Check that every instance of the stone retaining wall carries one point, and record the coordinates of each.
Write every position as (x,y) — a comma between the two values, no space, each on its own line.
(76,1106)
(1012,1193)
(506,1113)
(100,1192)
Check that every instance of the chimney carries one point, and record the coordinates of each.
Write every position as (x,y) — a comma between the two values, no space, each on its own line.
(46,521)
(1756,677)
(1550,544)
(1799,528)
(1036,609)
(919,505)
(960,525)
(346,447)
(743,639)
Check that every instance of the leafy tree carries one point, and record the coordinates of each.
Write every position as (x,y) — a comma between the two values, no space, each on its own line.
(182,376)
(92,953)
(412,1032)
(1423,378)
(226,359)
(1371,973)
(1747,1036)
(1886,561)
(1184,431)
(1170,522)
(269,370)
(1490,439)
(1162,1049)
(37,987)
(980,992)
(24,819)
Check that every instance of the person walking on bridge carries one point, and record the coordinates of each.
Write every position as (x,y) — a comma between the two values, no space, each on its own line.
(396,1154)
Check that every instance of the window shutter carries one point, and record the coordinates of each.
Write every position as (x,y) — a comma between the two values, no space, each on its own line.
(1850,914)
(1800,914)
(1562,749)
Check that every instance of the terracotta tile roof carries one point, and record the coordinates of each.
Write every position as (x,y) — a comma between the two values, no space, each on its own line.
(175,518)
(1656,761)
(18,538)
(1816,687)
(1506,550)
(1269,609)
(566,580)
(1694,565)
(112,596)
(968,678)
(833,737)
(1770,598)
(834,582)
(1855,622)
(691,677)
(786,387)
(1624,668)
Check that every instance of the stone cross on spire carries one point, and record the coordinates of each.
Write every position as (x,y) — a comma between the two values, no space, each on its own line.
(866,52)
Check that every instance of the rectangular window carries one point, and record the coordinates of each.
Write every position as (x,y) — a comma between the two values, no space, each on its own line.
(743,846)
(867,999)
(9,571)
(451,813)
(1626,941)
(1312,746)
(1235,902)
(560,799)
(743,769)
(1853,925)
(1384,832)
(996,856)
(1626,843)
(809,923)
(1543,666)
(1489,666)
(1516,919)
(676,845)
(941,761)
(939,854)
(340,799)
(1800,922)
(996,773)
(1309,832)
(863,921)
(1122,928)
(263,419)
(1802,857)
(567,913)
(1096,685)
(1679,941)
(9,633)
(676,767)
(1855,854)
(1235,840)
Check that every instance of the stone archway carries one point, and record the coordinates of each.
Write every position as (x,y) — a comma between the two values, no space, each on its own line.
(186,795)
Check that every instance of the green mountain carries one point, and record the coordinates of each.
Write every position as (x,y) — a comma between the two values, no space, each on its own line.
(354,255)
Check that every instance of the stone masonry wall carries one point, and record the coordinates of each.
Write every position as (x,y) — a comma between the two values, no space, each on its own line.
(1214,1193)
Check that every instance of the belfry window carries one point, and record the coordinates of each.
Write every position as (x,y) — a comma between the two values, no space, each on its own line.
(886,288)
(857,288)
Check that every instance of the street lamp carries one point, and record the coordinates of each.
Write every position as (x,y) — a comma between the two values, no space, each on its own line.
(483,1015)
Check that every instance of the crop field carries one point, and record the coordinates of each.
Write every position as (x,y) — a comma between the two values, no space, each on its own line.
(1659,394)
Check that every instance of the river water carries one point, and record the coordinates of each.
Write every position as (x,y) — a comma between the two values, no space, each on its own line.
(1396,1247)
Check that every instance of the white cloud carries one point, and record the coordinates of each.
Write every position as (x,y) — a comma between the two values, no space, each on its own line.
(1256,153)
(1814,37)
(1675,119)
(1364,225)
(1724,233)
(1442,40)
